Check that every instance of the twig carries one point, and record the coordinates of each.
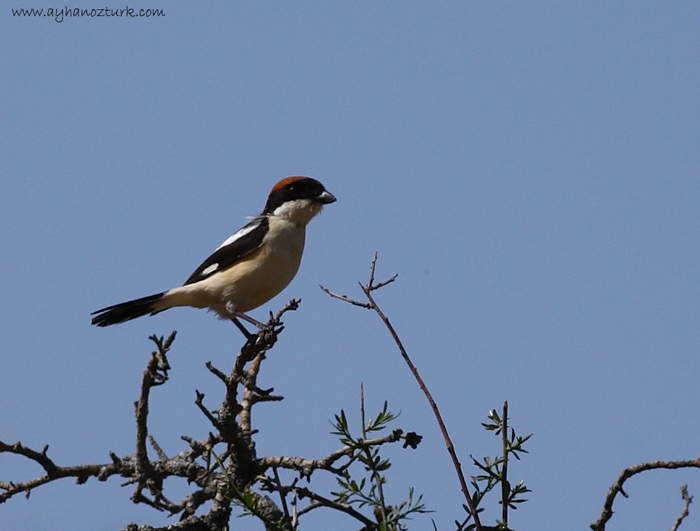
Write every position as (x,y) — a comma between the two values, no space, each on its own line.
(321,501)
(688,499)
(199,402)
(53,472)
(347,299)
(156,373)
(367,289)
(307,466)
(617,486)
(267,337)
(283,498)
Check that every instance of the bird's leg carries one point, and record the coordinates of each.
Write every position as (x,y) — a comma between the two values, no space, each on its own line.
(250,320)
(242,328)
(234,315)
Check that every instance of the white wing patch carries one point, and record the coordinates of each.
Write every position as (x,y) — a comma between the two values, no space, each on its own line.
(238,234)
(212,267)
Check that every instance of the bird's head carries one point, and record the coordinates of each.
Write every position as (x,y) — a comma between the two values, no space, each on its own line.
(297,199)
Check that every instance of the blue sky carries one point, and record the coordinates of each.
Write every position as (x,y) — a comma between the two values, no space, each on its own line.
(530,171)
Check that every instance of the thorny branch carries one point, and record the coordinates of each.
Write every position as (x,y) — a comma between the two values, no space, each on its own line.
(223,467)
(371,304)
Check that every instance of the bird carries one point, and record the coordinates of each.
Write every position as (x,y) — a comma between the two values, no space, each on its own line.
(248,269)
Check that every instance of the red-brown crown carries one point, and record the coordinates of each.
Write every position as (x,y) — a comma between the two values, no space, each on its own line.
(297,187)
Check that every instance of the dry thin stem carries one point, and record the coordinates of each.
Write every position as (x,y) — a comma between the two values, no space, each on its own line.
(367,289)
(688,499)
(617,486)
(307,466)
(347,299)
(320,501)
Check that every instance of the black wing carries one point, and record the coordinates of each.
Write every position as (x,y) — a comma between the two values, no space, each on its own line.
(241,244)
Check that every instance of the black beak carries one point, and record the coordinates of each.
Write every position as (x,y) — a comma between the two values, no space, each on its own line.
(326,198)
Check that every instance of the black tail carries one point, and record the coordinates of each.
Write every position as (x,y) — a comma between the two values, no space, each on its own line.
(126,311)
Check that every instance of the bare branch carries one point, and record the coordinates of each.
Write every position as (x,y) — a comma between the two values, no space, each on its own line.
(216,372)
(224,480)
(137,468)
(53,472)
(617,486)
(158,449)
(688,499)
(345,298)
(155,374)
(317,501)
(199,402)
(307,466)
(370,283)
(367,289)
(322,501)
(266,339)
(283,498)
